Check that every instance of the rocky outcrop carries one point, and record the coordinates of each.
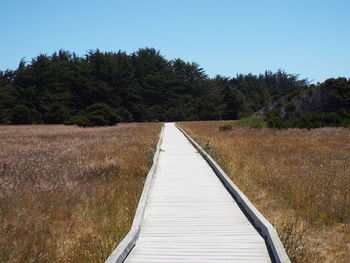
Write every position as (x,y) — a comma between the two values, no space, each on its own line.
(291,106)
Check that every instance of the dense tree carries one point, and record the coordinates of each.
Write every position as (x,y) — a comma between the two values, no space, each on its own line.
(102,88)
(21,114)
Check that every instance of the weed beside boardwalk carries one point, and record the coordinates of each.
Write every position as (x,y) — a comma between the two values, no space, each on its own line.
(299,179)
(69,194)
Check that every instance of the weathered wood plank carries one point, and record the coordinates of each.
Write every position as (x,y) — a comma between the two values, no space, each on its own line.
(189,215)
(274,244)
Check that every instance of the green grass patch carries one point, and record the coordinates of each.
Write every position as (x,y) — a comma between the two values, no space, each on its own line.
(253,121)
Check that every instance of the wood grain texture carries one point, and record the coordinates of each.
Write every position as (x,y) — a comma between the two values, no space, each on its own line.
(260,223)
(189,216)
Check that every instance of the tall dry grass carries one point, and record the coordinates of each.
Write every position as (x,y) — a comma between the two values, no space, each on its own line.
(69,194)
(299,179)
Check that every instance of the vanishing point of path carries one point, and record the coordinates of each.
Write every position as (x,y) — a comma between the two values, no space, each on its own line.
(190,217)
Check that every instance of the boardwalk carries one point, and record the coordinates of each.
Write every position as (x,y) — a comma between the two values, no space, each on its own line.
(189,216)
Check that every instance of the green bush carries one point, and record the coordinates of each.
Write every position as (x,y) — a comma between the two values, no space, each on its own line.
(100,114)
(56,113)
(254,121)
(308,120)
(256,125)
(208,148)
(124,114)
(79,120)
(225,127)
(21,114)
(274,120)
(312,120)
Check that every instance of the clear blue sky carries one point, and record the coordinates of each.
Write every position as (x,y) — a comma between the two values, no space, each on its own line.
(225,37)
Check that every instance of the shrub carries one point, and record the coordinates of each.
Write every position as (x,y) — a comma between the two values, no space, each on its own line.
(21,114)
(56,114)
(311,120)
(225,127)
(124,114)
(274,120)
(253,121)
(79,120)
(100,114)
(308,120)
(256,125)
(208,148)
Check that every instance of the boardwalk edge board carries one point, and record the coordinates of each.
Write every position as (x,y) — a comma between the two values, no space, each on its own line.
(266,230)
(127,244)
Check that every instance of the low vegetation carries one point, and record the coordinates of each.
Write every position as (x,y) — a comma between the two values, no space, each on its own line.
(253,121)
(69,194)
(298,178)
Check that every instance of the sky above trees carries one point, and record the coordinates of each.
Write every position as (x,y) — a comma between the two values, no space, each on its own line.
(225,37)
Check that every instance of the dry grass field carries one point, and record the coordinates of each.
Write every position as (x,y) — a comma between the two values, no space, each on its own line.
(69,194)
(299,179)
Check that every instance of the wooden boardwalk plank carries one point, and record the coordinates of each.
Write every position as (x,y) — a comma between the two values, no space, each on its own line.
(189,216)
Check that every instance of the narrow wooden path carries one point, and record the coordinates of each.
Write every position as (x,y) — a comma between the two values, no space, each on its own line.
(190,216)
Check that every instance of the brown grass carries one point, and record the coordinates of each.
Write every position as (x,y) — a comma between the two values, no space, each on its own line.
(69,194)
(299,179)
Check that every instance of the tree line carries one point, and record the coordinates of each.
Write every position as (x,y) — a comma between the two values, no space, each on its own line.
(103,88)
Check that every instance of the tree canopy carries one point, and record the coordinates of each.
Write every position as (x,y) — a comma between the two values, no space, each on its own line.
(103,88)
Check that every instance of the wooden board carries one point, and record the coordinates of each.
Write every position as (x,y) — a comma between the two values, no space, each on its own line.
(189,215)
